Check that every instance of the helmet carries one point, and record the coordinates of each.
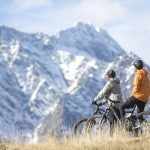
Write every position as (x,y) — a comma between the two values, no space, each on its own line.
(138,64)
(111,73)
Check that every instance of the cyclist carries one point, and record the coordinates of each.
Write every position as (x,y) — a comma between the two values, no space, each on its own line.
(140,92)
(112,90)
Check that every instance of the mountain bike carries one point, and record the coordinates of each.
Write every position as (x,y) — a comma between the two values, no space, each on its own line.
(100,124)
(78,129)
(136,126)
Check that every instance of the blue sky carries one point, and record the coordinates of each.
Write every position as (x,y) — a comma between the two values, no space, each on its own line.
(127,21)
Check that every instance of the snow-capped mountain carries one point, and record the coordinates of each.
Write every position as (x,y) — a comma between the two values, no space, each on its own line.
(47,82)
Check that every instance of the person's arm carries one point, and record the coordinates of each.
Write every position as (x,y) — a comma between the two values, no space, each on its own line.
(137,84)
(104,92)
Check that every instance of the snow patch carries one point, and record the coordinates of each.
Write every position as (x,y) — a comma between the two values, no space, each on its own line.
(30,77)
(69,64)
(97,29)
(5,56)
(44,38)
(34,94)
(120,57)
(14,51)
(72,88)
(92,64)
(35,136)
(51,109)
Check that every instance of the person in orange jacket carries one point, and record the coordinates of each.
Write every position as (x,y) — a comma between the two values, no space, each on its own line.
(140,92)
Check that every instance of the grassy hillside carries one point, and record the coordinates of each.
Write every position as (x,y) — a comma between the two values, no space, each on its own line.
(117,142)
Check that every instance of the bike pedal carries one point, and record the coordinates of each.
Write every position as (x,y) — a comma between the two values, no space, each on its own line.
(136,127)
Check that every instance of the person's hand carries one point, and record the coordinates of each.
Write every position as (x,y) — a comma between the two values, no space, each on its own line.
(93,102)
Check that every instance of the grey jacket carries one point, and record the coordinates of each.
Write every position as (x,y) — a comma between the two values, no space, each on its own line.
(112,90)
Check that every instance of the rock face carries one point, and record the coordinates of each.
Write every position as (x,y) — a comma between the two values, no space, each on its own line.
(46,82)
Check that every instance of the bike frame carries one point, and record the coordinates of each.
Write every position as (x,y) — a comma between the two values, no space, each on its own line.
(98,110)
(105,115)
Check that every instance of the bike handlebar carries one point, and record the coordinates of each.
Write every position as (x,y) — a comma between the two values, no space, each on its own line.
(102,103)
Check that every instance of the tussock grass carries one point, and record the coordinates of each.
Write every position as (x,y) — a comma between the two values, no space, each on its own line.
(119,141)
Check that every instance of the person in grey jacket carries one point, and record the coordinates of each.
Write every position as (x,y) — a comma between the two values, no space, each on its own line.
(112,89)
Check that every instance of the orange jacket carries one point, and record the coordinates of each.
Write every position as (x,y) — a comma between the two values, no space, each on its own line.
(141,89)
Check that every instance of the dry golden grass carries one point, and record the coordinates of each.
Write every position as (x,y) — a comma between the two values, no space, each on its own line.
(118,142)
(86,144)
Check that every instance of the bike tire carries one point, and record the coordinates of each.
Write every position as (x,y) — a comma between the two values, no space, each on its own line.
(79,127)
(95,125)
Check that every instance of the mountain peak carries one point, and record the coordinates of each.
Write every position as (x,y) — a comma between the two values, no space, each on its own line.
(87,38)
(83,25)
(89,26)
(85,28)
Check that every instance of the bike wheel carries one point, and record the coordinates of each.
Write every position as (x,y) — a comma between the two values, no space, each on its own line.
(135,128)
(145,128)
(98,125)
(78,129)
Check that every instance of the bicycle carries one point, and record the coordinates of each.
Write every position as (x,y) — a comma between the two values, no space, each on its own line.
(134,125)
(101,124)
(79,126)
(97,122)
